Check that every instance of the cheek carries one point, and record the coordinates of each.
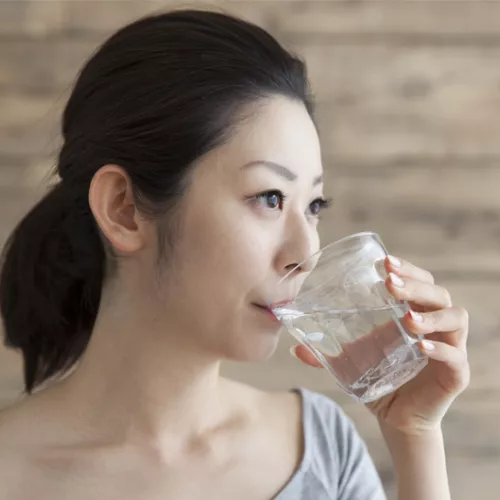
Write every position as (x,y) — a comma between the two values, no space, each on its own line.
(220,273)
(243,257)
(229,247)
(315,240)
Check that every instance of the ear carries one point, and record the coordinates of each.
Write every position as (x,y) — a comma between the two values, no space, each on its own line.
(112,203)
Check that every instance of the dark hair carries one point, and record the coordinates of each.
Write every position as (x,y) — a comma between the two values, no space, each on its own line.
(157,95)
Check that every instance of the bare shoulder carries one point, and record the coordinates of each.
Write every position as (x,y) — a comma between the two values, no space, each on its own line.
(27,430)
(15,434)
(280,402)
(278,411)
(25,424)
(17,427)
(10,425)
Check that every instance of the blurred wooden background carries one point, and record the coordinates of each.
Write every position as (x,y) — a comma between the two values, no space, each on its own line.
(409,107)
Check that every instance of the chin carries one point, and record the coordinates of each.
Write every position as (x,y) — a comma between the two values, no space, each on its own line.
(253,347)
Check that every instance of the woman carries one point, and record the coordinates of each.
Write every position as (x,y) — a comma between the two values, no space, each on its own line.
(190,183)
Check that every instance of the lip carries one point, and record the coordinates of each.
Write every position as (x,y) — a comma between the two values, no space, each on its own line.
(282,303)
(274,305)
(268,311)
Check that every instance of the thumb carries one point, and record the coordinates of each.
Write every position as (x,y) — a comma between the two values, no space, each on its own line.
(302,353)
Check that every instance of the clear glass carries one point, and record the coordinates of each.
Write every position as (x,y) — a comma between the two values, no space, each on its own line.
(347,318)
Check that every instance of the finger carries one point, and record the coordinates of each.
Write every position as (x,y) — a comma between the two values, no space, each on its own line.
(457,377)
(349,366)
(305,355)
(424,294)
(358,355)
(452,325)
(406,269)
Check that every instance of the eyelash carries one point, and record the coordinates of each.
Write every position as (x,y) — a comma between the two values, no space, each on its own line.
(323,203)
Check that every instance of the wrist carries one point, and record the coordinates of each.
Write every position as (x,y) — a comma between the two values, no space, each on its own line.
(419,460)
(426,431)
(401,442)
(402,439)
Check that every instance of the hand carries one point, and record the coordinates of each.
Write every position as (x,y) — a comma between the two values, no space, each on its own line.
(420,405)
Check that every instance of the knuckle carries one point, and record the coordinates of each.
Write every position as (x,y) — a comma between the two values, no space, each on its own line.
(396,291)
(430,277)
(464,358)
(465,374)
(461,362)
(467,377)
(447,297)
(432,319)
(463,315)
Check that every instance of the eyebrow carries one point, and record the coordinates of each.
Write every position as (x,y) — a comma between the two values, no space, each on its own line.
(280,170)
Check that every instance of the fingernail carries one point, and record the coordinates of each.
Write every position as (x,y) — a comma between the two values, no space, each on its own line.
(416,317)
(396,280)
(293,353)
(428,346)
(394,261)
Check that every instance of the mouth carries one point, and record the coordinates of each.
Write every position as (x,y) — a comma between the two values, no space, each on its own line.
(269,309)
(282,303)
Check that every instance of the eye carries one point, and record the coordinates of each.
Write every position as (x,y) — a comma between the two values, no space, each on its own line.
(318,205)
(271,199)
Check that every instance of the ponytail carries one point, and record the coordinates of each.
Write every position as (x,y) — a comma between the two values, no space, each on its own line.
(152,102)
(51,274)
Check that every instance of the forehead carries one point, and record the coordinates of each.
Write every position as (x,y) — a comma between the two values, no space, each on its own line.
(283,129)
(277,129)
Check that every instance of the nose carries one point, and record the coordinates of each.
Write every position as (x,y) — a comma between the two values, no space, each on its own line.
(299,243)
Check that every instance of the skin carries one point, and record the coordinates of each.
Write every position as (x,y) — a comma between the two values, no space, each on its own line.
(146,413)
(410,418)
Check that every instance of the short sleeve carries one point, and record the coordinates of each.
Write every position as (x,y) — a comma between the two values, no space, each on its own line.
(358,478)
(350,469)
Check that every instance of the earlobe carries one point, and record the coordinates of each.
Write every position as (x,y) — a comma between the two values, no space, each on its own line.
(112,203)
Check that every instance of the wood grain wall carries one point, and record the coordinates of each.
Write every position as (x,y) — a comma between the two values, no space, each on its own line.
(409,110)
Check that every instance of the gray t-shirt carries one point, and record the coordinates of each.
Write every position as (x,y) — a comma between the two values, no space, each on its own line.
(336,464)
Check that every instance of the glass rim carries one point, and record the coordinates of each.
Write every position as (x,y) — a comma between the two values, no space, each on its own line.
(334,244)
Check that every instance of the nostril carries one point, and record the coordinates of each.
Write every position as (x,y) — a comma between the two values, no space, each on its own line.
(296,268)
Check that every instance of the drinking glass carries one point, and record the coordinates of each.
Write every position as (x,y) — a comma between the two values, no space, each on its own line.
(347,318)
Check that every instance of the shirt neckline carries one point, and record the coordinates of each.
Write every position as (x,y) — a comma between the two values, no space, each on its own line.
(304,463)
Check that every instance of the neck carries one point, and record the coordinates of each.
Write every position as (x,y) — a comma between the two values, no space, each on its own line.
(139,381)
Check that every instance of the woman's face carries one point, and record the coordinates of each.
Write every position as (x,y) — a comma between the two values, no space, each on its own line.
(248,217)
